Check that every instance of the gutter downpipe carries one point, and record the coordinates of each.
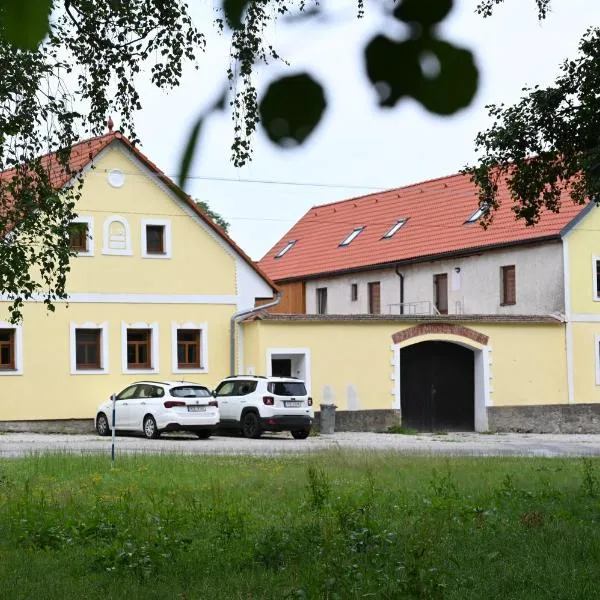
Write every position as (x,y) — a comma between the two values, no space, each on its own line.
(401,276)
(233,322)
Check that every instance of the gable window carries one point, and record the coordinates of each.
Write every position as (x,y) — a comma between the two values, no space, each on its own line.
(7,349)
(286,248)
(482,210)
(139,348)
(156,238)
(375,298)
(354,292)
(81,236)
(78,237)
(89,349)
(440,293)
(321,301)
(509,289)
(348,240)
(116,238)
(394,229)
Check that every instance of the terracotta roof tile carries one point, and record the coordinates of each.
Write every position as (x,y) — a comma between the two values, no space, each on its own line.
(436,212)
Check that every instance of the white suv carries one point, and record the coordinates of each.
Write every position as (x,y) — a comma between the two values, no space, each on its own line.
(255,404)
(156,406)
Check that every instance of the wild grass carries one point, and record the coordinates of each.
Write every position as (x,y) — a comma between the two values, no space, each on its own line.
(333,526)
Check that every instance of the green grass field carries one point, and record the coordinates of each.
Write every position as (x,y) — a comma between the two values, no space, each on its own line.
(334,525)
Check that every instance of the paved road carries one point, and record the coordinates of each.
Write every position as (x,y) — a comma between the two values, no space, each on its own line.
(456,444)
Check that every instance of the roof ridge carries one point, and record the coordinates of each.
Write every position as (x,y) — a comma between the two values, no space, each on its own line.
(386,191)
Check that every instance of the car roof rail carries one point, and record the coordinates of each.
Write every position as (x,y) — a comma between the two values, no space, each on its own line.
(255,376)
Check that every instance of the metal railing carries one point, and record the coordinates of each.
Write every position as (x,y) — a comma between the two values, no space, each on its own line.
(420,307)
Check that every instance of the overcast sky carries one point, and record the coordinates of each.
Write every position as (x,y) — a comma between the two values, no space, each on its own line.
(357,144)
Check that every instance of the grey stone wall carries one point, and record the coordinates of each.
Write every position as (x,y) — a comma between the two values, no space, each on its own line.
(562,418)
(362,420)
(49,426)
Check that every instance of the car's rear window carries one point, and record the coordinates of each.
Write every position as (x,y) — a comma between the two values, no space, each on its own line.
(287,388)
(190,391)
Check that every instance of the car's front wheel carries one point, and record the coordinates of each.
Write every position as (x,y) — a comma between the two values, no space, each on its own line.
(300,434)
(102,426)
(150,429)
(251,425)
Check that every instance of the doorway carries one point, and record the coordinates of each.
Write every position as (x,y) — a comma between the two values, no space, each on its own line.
(437,387)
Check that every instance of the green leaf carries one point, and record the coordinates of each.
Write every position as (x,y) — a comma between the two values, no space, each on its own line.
(442,77)
(25,23)
(424,12)
(234,9)
(291,109)
(189,152)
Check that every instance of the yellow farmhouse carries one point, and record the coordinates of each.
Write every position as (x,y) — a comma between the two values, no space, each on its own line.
(152,291)
(397,307)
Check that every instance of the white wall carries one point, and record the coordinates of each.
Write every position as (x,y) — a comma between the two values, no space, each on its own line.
(476,289)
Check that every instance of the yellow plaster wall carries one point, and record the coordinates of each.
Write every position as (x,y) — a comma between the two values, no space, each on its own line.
(584,244)
(47,390)
(527,362)
(584,362)
(199,264)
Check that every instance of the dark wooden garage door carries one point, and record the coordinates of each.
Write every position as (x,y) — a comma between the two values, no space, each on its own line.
(437,387)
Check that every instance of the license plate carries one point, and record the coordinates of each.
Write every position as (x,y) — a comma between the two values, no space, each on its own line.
(293,404)
(196,408)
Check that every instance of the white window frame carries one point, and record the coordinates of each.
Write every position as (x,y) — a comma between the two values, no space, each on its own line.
(167,241)
(154,356)
(18,329)
(89,221)
(104,370)
(481,210)
(595,296)
(106,249)
(203,328)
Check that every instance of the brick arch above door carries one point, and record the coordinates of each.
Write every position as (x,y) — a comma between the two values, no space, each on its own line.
(440,329)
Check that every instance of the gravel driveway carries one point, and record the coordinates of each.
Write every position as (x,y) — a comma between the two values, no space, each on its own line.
(456,444)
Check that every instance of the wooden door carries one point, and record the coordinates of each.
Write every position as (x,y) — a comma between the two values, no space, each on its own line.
(437,387)
(375,298)
(440,287)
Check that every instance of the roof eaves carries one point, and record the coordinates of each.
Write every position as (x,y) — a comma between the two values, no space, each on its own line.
(423,258)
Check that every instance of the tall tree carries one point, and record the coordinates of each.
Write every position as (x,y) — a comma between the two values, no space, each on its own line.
(547,146)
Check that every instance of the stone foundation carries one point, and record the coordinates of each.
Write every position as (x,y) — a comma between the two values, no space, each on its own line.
(49,426)
(363,420)
(560,418)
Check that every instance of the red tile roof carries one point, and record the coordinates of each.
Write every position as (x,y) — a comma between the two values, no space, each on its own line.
(84,152)
(436,212)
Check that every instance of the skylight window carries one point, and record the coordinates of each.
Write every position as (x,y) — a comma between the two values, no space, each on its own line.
(352,236)
(478,214)
(286,248)
(394,229)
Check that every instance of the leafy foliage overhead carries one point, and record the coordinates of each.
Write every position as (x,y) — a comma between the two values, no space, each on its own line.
(548,145)
(68,64)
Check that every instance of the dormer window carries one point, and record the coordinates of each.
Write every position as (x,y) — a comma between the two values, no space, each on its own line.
(394,229)
(286,248)
(352,236)
(482,210)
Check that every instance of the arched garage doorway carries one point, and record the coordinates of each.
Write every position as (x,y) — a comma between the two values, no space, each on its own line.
(437,386)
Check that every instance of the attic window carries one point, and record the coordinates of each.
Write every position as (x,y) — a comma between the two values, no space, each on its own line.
(351,237)
(286,248)
(482,210)
(394,229)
